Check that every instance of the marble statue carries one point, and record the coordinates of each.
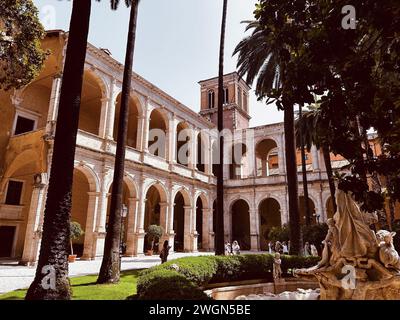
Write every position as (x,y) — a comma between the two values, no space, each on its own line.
(276,267)
(356,263)
(387,253)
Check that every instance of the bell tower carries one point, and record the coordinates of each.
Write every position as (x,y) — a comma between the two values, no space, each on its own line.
(236,101)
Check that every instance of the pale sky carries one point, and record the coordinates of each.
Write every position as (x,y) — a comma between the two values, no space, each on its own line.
(177,42)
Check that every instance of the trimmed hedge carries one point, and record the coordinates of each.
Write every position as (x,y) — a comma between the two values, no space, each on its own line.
(183,278)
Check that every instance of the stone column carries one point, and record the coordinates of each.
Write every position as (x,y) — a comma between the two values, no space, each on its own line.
(53,104)
(315,158)
(281,154)
(139,234)
(208,155)
(131,227)
(207,228)
(104,117)
(88,253)
(146,128)
(171,232)
(227,224)
(110,112)
(188,228)
(171,146)
(164,222)
(192,149)
(33,227)
(254,230)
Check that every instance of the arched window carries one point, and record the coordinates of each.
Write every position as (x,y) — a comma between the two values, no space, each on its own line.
(211,99)
(226,95)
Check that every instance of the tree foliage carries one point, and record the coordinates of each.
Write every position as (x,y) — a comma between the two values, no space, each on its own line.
(21,55)
(355,74)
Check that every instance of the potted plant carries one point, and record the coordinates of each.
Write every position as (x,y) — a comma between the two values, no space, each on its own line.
(76,233)
(153,232)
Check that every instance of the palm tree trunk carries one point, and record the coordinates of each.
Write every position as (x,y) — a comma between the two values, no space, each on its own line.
(304,172)
(111,264)
(56,224)
(219,235)
(329,173)
(292,181)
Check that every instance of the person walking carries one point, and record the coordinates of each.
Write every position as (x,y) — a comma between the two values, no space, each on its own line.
(285,249)
(235,248)
(314,251)
(270,245)
(165,252)
(278,247)
(307,249)
(228,248)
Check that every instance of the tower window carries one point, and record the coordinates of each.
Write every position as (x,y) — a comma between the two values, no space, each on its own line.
(14,192)
(226,95)
(211,99)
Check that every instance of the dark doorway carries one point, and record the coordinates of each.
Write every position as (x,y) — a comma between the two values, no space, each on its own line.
(7,234)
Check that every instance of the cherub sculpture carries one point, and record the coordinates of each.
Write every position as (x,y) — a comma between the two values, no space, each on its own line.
(276,268)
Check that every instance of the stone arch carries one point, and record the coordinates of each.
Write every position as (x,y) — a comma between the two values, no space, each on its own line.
(183,142)
(238,160)
(269,210)
(240,217)
(312,206)
(182,206)
(267,162)
(135,113)
(93,91)
(202,220)
(158,129)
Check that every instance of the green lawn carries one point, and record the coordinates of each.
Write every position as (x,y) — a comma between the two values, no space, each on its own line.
(85,288)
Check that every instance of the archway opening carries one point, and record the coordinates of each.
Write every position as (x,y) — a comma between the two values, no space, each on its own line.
(152,214)
(79,210)
(124,221)
(90,110)
(238,161)
(201,152)
(215,158)
(241,224)
(270,216)
(179,222)
(199,223)
(267,158)
(182,144)
(133,119)
(302,210)
(157,134)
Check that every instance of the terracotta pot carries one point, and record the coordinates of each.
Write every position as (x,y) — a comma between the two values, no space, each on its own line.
(71,258)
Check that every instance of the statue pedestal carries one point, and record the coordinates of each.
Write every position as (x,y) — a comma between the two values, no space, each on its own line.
(358,279)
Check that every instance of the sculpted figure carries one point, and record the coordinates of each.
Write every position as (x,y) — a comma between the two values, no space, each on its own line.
(387,253)
(331,249)
(276,268)
(356,239)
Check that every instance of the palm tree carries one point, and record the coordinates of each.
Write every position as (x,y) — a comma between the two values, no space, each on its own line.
(304,172)
(51,278)
(219,236)
(314,131)
(111,264)
(262,56)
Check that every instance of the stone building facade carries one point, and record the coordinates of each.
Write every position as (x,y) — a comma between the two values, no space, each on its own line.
(159,188)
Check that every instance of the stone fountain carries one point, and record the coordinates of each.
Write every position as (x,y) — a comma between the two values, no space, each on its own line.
(357,263)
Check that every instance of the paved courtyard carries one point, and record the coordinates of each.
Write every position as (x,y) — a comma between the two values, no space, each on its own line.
(13,276)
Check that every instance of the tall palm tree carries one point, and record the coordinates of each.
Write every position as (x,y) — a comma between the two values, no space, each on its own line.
(219,236)
(53,258)
(111,264)
(304,172)
(314,131)
(261,57)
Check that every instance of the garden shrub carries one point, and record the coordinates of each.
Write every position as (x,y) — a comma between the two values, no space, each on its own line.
(183,278)
(164,284)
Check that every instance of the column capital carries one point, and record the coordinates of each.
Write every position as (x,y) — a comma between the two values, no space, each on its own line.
(187,207)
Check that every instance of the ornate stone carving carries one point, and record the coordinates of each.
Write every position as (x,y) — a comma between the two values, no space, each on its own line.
(356,263)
